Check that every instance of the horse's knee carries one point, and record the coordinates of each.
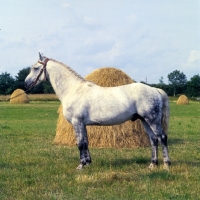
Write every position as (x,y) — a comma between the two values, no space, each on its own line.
(82,145)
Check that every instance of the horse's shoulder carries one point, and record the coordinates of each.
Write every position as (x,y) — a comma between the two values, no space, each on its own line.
(84,87)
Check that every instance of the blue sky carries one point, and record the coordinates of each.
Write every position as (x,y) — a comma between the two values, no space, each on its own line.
(145,39)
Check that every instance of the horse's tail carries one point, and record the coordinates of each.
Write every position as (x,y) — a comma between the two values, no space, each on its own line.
(165,111)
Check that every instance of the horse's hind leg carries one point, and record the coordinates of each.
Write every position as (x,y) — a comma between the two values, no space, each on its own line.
(154,144)
(82,143)
(162,138)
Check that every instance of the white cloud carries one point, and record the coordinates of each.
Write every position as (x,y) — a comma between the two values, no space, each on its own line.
(192,66)
(194,56)
(193,61)
(144,39)
(133,18)
(90,21)
(66,5)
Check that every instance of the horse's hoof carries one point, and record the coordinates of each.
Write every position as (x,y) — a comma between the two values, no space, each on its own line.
(152,166)
(80,167)
(166,166)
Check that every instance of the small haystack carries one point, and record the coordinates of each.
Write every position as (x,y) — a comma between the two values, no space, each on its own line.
(19,97)
(183,100)
(129,134)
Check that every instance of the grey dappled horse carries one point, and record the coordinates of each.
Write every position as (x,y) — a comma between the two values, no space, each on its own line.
(85,103)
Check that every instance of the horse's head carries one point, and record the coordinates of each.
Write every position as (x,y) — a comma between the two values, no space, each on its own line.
(37,73)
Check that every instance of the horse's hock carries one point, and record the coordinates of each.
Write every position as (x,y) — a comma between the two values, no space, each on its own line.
(129,134)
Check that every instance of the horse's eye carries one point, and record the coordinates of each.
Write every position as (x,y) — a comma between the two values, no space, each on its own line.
(36,68)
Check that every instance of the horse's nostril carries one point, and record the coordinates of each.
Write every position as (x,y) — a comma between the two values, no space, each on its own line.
(26,84)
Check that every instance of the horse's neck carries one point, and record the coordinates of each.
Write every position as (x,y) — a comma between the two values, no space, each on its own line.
(62,78)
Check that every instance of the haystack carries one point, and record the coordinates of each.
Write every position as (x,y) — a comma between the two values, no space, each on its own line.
(183,100)
(129,134)
(19,97)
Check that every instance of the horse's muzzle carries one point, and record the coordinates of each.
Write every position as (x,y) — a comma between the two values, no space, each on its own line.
(27,84)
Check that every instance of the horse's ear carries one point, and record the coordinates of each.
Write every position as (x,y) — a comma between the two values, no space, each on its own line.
(41,57)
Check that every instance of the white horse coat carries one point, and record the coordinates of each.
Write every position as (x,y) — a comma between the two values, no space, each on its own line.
(85,103)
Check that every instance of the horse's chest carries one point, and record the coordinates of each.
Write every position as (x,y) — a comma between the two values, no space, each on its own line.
(71,112)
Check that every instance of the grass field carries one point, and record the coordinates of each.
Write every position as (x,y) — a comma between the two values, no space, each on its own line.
(32,167)
(34,97)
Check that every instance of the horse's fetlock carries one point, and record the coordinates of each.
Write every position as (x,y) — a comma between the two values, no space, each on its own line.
(167,162)
(88,160)
(154,162)
(83,161)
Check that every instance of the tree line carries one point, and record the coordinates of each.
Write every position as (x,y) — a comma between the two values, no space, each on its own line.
(177,84)
(8,84)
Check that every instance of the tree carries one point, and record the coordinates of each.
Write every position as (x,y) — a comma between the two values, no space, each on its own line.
(193,86)
(19,79)
(48,89)
(161,82)
(7,83)
(178,81)
(41,88)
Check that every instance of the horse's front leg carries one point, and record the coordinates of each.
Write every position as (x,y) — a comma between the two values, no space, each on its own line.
(82,143)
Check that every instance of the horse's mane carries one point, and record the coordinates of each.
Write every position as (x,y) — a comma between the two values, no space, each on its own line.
(70,69)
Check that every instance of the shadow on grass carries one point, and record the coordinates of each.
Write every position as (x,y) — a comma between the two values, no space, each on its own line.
(119,163)
(4,165)
(175,141)
(188,163)
(131,161)
(163,175)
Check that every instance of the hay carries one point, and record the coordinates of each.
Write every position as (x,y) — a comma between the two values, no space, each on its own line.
(109,77)
(183,100)
(127,135)
(19,97)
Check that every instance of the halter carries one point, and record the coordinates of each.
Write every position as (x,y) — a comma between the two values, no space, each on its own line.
(41,71)
(44,68)
(36,80)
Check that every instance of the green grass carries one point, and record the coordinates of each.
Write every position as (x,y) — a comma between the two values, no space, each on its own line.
(32,167)
(34,97)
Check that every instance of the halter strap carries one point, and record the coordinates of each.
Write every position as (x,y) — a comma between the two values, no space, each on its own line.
(42,70)
(36,80)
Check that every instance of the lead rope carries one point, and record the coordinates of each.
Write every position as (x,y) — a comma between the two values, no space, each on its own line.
(20,94)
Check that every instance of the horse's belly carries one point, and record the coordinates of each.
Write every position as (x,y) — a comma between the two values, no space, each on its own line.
(110,119)
(109,109)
